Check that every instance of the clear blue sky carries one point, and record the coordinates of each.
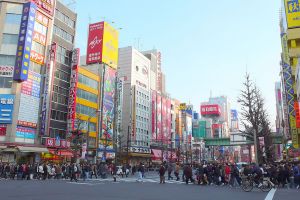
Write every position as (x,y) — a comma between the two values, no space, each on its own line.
(206,45)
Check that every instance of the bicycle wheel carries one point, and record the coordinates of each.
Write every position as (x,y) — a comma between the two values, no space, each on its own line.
(266,186)
(247,185)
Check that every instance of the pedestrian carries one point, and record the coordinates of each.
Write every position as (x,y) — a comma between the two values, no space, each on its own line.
(176,172)
(297,175)
(73,172)
(188,173)
(170,169)
(162,171)
(140,173)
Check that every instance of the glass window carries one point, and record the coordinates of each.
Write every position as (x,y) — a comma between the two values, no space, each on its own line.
(10,38)
(87,81)
(87,95)
(6,82)
(14,8)
(11,18)
(7,60)
(35,67)
(38,48)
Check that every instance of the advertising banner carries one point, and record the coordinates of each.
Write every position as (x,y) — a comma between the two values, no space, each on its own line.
(39,38)
(153,115)
(159,118)
(72,99)
(39,17)
(25,40)
(119,106)
(6,108)
(46,5)
(108,103)
(36,57)
(288,85)
(30,101)
(25,135)
(47,89)
(234,115)
(3,130)
(164,119)
(95,43)
(56,142)
(168,116)
(6,71)
(292,11)
(213,109)
(110,46)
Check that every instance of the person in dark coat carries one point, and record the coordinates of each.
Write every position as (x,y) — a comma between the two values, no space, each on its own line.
(162,171)
(188,173)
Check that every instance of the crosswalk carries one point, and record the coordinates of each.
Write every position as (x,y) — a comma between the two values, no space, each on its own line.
(124,180)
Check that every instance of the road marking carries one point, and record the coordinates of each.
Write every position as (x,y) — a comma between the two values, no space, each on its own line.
(270,194)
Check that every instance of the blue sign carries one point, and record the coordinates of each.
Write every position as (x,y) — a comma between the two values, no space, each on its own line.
(196,116)
(6,108)
(234,115)
(24,132)
(25,41)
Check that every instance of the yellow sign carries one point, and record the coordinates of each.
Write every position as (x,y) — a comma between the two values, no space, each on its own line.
(292,11)
(110,46)
(182,106)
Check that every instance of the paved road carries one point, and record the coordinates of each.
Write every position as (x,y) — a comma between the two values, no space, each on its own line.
(129,189)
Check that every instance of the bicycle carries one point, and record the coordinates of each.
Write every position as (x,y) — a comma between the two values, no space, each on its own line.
(248,184)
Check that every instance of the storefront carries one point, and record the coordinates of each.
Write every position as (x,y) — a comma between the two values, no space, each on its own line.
(158,155)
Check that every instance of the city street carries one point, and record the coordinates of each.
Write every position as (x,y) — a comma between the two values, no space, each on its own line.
(128,188)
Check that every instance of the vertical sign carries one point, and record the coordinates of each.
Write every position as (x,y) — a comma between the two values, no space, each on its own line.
(6,108)
(154,135)
(47,89)
(73,90)
(168,113)
(95,43)
(159,118)
(25,41)
(46,5)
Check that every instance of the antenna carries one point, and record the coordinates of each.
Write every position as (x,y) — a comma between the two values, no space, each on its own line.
(210,94)
(90,19)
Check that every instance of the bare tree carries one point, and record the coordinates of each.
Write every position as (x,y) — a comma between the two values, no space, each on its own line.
(255,118)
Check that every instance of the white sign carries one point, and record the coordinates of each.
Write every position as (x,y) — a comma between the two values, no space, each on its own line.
(6,71)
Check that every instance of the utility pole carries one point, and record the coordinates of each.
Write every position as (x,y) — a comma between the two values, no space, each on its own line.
(255,146)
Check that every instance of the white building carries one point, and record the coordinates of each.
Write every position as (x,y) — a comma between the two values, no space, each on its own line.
(134,69)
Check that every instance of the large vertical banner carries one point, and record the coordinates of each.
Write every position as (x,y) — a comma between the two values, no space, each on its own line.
(288,86)
(164,119)
(168,116)
(95,43)
(108,103)
(25,42)
(154,135)
(159,118)
(45,113)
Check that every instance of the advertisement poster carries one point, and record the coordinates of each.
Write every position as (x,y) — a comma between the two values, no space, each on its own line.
(154,115)
(95,43)
(292,11)
(25,135)
(6,71)
(6,108)
(108,103)
(164,119)
(30,101)
(25,42)
(168,116)
(46,5)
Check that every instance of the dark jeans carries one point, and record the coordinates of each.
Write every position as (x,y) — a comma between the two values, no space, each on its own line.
(189,178)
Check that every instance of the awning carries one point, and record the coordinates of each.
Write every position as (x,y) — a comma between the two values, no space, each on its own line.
(156,155)
(61,152)
(33,149)
(2,147)
(10,150)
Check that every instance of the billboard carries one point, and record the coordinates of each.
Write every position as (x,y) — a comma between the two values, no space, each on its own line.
(110,46)
(153,115)
(95,43)
(25,135)
(164,118)
(23,54)
(6,108)
(72,99)
(168,121)
(30,100)
(45,111)
(108,103)
(292,11)
(46,5)
(213,109)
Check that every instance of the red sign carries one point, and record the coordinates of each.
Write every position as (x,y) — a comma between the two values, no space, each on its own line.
(41,18)
(72,99)
(39,38)
(297,113)
(45,5)
(2,130)
(95,43)
(27,124)
(36,57)
(213,109)
(52,142)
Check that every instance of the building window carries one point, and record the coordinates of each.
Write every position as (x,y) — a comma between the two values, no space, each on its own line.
(38,48)
(12,18)
(85,110)
(35,67)
(63,18)
(10,39)
(40,28)
(6,82)
(7,60)
(87,81)
(58,115)
(64,76)
(87,95)
(63,34)
(63,56)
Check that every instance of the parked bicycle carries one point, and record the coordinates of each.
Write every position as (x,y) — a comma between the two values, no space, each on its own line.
(248,184)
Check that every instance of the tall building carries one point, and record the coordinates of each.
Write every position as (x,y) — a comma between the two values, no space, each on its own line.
(25,34)
(289,32)
(134,68)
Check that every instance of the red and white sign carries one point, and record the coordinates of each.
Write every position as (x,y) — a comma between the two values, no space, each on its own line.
(75,58)
(72,99)
(36,57)
(41,18)
(39,38)
(95,43)
(213,109)
(46,5)
(52,142)
(6,71)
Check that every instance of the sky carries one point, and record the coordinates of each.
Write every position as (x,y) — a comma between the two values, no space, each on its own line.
(207,46)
